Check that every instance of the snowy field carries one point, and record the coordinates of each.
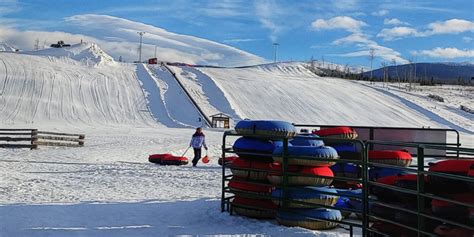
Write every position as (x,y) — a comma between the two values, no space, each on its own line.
(128,111)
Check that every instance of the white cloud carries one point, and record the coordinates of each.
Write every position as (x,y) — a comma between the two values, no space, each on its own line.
(119,37)
(448,53)
(398,33)
(364,44)
(269,15)
(345,5)
(9,6)
(382,12)
(453,26)
(394,21)
(467,39)
(338,22)
(241,40)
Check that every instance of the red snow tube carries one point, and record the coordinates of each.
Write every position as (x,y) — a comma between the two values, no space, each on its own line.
(337,132)
(391,230)
(445,230)
(407,181)
(228,160)
(174,160)
(239,185)
(156,158)
(260,175)
(442,185)
(255,208)
(398,158)
(275,176)
(455,212)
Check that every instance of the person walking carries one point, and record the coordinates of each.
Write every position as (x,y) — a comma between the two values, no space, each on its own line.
(198,140)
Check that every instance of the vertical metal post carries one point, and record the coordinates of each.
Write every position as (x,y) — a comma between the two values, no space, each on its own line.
(365,188)
(275,45)
(223,174)
(141,33)
(285,175)
(421,188)
(371,137)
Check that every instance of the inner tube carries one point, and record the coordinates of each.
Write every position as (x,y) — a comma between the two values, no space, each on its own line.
(442,185)
(446,230)
(174,160)
(337,132)
(380,172)
(311,177)
(354,197)
(389,157)
(302,218)
(454,212)
(344,202)
(260,175)
(156,158)
(254,208)
(309,194)
(307,155)
(306,140)
(395,214)
(407,181)
(347,151)
(389,229)
(265,128)
(263,149)
(348,170)
(228,160)
(239,185)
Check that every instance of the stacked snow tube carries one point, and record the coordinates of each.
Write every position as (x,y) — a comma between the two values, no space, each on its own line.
(349,198)
(390,230)
(308,190)
(453,189)
(307,194)
(254,150)
(347,150)
(314,219)
(168,159)
(389,157)
(406,181)
(227,160)
(265,128)
(442,185)
(337,132)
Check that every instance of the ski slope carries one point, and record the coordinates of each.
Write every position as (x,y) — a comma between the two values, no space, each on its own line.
(49,92)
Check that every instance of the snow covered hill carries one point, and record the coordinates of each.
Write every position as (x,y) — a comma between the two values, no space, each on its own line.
(4,47)
(86,53)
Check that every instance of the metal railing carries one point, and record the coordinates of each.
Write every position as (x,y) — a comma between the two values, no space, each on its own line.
(367,200)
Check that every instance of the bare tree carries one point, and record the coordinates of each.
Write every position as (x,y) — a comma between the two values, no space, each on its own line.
(371,58)
(383,64)
(410,73)
(394,63)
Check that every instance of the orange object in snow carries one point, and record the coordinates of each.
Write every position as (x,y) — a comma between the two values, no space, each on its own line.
(205,159)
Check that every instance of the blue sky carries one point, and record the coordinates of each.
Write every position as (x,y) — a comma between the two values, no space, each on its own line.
(341,31)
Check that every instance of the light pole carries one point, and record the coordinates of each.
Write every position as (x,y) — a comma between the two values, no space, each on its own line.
(155,51)
(275,48)
(141,33)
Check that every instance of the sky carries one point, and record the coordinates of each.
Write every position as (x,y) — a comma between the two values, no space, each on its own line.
(340,31)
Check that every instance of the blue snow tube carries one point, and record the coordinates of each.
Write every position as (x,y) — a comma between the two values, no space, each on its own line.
(263,148)
(307,155)
(310,194)
(379,172)
(344,202)
(346,170)
(355,198)
(266,128)
(302,218)
(306,140)
(348,150)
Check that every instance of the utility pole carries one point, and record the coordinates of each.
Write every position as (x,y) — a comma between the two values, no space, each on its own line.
(275,49)
(155,51)
(141,33)
(371,58)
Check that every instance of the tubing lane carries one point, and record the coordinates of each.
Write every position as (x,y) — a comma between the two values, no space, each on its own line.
(203,115)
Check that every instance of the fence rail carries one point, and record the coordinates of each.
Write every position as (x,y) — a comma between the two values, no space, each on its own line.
(421,220)
(32,138)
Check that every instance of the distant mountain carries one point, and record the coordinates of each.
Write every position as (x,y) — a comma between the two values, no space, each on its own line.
(439,72)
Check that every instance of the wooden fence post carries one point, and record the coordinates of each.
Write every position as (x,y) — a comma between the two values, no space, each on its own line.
(34,139)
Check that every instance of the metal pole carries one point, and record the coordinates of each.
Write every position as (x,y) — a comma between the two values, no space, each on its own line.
(420,155)
(155,51)
(141,33)
(275,48)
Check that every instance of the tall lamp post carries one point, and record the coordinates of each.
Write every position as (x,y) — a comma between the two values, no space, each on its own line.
(275,49)
(141,33)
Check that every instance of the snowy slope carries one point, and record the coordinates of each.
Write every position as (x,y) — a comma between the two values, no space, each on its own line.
(290,92)
(45,91)
(4,47)
(87,53)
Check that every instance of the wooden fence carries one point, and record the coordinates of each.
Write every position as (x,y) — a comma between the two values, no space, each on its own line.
(32,138)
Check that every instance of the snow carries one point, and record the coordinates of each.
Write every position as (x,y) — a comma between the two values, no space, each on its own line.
(128,111)
(4,47)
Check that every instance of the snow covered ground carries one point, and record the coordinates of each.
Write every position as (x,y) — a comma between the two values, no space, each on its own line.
(128,111)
